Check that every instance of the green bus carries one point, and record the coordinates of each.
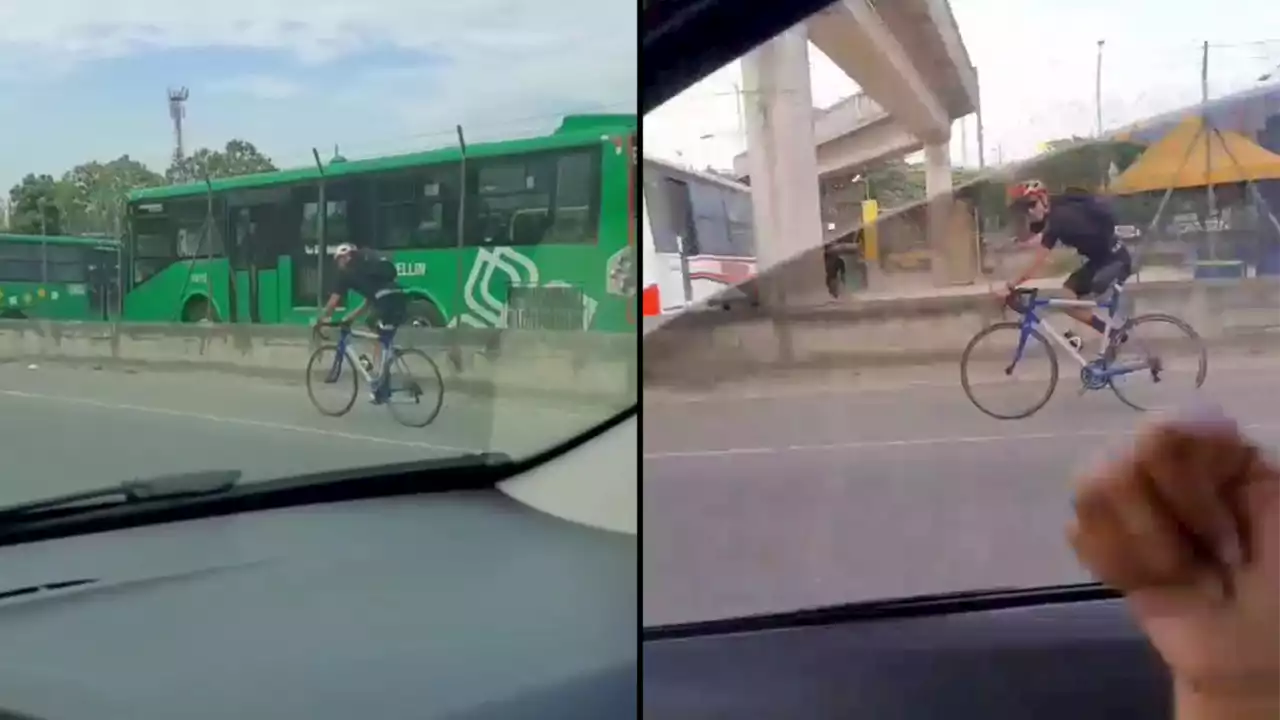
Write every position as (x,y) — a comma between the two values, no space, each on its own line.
(534,232)
(59,278)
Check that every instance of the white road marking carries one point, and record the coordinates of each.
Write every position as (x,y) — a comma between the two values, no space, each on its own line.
(1227,375)
(233,421)
(297,388)
(916,442)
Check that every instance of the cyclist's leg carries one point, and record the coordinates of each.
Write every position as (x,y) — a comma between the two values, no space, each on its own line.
(392,312)
(1081,283)
(1114,272)
(1115,269)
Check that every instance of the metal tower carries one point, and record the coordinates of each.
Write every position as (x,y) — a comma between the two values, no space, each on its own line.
(177,113)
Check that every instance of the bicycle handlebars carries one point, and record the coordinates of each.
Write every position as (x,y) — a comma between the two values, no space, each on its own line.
(318,328)
(1020,299)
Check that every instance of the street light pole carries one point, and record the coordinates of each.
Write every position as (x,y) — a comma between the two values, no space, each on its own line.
(1097,89)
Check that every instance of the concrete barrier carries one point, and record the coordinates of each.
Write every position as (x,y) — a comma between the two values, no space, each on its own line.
(582,367)
(706,347)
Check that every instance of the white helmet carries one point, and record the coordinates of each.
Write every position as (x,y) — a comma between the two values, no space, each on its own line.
(343,250)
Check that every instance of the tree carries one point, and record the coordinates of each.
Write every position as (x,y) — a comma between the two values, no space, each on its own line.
(91,195)
(1081,162)
(238,157)
(896,183)
(33,206)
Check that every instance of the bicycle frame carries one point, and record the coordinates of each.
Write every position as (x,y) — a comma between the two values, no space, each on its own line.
(1100,369)
(344,351)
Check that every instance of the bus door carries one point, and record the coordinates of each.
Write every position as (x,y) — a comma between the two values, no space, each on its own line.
(258,234)
(102,272)
(308,256)
(674,237)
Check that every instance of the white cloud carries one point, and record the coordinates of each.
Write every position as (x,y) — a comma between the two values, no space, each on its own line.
(263,87)
(499,60)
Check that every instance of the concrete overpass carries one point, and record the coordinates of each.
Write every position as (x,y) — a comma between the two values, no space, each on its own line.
(911,63)
(852,133)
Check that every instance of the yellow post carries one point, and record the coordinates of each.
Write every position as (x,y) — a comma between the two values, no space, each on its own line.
(870,231)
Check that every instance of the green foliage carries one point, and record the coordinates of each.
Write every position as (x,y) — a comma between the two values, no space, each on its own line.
(33,206)
(91,195)
(89,198)
(239,157)
(1080,163)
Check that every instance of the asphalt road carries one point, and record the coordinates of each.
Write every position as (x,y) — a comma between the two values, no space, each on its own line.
(817,496)
(66,429)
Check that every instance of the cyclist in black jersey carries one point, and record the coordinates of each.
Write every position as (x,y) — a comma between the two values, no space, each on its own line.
(373,278)
(1083,223)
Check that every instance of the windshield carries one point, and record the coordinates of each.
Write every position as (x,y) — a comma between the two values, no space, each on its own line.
(179,176)
(844,399)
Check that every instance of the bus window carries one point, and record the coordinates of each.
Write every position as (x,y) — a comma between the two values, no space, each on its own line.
(337,230)
(195,233)
(419,210)
(711,220)
(515,201)
(577,201)
(741,224)
(679,203)
(21,262)
(66,264)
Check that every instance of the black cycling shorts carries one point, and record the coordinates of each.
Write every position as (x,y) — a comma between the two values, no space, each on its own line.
(1098,275)
(389,312)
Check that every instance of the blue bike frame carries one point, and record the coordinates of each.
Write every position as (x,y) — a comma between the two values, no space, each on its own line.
(1099,370)
(379,385)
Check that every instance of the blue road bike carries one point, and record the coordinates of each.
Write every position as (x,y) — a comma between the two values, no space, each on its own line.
(334,365)
(1172,335)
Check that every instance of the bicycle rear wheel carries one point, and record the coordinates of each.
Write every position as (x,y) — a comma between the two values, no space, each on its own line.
(1168,353)
(415,390)
(986,366)
(331,376)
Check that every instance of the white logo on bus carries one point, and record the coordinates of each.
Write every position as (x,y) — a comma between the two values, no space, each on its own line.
(486,310)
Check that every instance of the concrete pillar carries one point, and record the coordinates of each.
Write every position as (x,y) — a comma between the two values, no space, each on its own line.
(937,187)
(784,170)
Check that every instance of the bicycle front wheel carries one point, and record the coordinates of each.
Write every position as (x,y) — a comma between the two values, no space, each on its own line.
(332,381)
(1018,376)
(415,388)
(1165,361)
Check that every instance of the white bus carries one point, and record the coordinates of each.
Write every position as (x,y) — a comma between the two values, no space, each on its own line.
(700,249)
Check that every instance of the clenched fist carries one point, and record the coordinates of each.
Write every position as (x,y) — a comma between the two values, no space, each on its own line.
(1187,526)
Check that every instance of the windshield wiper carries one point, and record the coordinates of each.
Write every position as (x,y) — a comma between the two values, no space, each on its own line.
(161,487)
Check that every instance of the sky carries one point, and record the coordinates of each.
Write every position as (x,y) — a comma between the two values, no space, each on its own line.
(1036,62)
(86,80)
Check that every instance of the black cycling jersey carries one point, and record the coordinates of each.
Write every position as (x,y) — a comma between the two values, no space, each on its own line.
(367,274)
(1081,222)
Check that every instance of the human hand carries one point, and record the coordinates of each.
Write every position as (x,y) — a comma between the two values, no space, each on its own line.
(1187,525)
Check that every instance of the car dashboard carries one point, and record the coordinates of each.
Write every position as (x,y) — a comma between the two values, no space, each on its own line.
(1051,654)
(463,605)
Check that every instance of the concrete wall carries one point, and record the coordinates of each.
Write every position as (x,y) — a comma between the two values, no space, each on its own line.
(591,368)
(705,348)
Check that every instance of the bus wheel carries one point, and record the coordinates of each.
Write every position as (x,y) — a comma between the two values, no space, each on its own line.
(424,313)
(198,310)
(12,315)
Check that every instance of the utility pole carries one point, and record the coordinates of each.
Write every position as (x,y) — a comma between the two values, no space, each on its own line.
(1205,130)
(982,150)
(177,113)
(1097,90)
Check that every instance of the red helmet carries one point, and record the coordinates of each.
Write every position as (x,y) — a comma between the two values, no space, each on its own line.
(1027,192)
